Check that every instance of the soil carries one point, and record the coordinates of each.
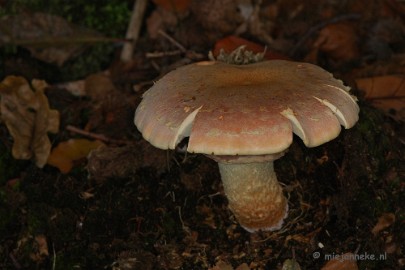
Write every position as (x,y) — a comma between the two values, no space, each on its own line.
(131,206)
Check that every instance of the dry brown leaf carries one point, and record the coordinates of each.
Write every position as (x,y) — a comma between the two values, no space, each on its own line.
(111,107)
(299,238)
(384,221)
(63,155)
(389,86)
(85,195)
(27,115)
(41,248)
(243,266)
(209,216)
(99,86)
(345,261)
(385,92)
(174,5)
(338,41)
(48,37)
(221,265)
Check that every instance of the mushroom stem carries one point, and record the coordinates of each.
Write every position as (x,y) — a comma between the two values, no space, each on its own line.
(254,195)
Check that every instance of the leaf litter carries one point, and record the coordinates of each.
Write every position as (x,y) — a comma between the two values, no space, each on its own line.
(28,117)
(127,205)
(48,37)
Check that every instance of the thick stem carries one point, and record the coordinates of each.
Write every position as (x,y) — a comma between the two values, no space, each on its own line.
(254,194)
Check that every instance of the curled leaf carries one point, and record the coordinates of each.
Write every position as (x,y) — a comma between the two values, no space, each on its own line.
(385,92)
(28,118)
(65,153)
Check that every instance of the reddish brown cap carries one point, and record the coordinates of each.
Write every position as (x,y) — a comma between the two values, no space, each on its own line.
(245,109)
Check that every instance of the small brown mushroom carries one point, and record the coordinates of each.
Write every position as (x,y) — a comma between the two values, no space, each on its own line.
(244,117)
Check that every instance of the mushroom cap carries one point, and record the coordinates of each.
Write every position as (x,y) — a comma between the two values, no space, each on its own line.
(251,109)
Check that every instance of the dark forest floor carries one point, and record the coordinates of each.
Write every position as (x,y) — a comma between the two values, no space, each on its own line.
(130,206)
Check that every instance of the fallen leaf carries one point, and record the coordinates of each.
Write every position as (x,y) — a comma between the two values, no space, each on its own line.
(209,215)
(384,221)
(48,37)
(382,86)
(85,195)
(98,86)
(338,41)
(174,5)
(65,153)
(243,266)
(231,43)
(385,92)
(111,108)
(390,247)
(28,118)
(345,261)
(41,248)
(221,265)
(299,238)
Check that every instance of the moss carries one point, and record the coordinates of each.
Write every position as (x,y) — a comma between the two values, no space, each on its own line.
(107,16)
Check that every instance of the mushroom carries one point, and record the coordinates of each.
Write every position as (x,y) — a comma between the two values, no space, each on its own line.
(244,117)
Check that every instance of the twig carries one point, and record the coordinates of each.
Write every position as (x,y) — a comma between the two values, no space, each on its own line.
(96,136)
(173,41)
(185,228)
(133,29)
(163,54)
(61,41)
(54,257)
(16,264)
(188,53)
